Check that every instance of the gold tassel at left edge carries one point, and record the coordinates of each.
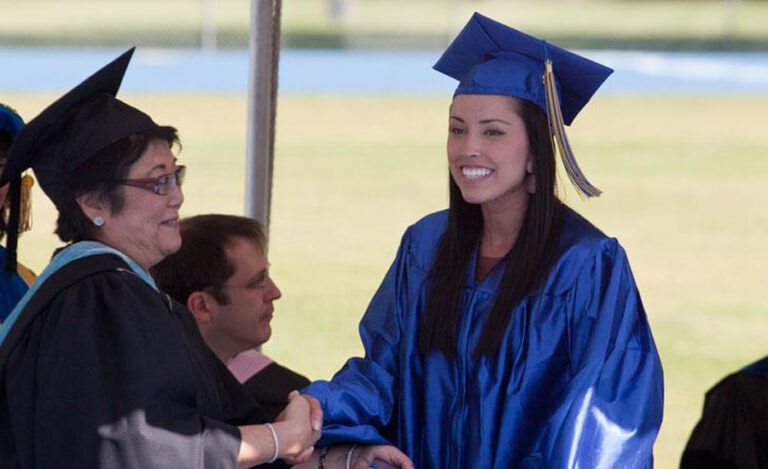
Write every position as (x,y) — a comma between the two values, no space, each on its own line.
(25,213)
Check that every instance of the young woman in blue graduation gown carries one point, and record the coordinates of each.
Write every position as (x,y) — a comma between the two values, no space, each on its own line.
(509,331)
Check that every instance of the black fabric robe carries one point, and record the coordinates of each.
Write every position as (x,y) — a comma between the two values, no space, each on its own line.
(101,370)
(270,387)
(733,430)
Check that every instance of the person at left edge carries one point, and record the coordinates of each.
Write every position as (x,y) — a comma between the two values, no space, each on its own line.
(13,284)
(97,367)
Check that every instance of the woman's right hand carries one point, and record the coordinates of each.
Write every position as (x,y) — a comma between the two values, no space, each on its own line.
(297,428)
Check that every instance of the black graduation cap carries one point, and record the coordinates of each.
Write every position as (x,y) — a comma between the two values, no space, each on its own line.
(67,133)
(488,57)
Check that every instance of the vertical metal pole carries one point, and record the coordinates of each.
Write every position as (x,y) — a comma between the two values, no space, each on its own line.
(258,172)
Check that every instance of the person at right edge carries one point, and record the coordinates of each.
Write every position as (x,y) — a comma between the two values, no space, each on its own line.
(733,430)
(509,331)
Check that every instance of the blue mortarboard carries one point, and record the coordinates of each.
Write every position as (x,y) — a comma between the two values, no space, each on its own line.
(490,58)
(10,121)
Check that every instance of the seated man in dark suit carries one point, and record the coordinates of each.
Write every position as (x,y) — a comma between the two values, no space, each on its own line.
(221,273)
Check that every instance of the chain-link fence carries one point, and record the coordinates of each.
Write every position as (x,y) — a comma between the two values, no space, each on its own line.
(154,23)
(391,24)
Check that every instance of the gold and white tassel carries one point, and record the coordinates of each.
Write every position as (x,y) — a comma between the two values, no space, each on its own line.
(25,214)
(557,135)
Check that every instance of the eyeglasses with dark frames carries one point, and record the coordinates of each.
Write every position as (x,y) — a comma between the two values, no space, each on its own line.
(160,185)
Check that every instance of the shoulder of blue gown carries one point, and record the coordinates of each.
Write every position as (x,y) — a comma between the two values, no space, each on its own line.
(422,239)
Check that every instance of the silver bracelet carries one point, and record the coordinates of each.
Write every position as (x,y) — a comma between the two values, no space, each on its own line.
(276,441)
(348,465)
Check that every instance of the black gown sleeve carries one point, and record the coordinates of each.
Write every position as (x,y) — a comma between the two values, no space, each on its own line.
(104,378)
(733,430)
(270,387)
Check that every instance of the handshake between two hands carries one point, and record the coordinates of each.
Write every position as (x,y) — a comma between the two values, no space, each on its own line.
(301,423)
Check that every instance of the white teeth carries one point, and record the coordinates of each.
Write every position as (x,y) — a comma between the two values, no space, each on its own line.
(473,173)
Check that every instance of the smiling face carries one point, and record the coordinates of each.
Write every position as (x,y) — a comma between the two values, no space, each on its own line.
(147,227)
(488,151)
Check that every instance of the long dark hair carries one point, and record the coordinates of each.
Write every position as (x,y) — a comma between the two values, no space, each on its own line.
(527,264)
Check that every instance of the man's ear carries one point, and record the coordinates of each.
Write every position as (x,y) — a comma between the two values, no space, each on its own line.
(199,304)
(92,205)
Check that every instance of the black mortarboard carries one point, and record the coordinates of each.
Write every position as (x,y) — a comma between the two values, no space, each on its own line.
(68,132)
(488,57)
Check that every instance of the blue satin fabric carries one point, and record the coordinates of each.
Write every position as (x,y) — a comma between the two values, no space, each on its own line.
(577,383)
(12,289)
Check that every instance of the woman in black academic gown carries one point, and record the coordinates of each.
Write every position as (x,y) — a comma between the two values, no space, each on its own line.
(97,367)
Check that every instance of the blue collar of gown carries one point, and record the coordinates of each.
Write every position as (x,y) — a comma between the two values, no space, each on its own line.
(70,254)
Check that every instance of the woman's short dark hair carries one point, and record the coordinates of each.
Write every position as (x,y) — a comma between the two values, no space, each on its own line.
(98,176)
(527,264)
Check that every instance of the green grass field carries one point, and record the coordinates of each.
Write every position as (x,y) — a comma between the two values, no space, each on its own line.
(684,179)
(638,24)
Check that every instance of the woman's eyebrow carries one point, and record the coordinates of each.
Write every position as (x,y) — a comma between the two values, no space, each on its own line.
(162,166)
(156,168)
(484,121)
(490,121)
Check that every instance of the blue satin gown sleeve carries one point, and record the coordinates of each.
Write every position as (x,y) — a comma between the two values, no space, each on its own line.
(614,402)
(361,397)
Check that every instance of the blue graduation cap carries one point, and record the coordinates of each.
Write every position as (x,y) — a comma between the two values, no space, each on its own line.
(10,121)
(490,58)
